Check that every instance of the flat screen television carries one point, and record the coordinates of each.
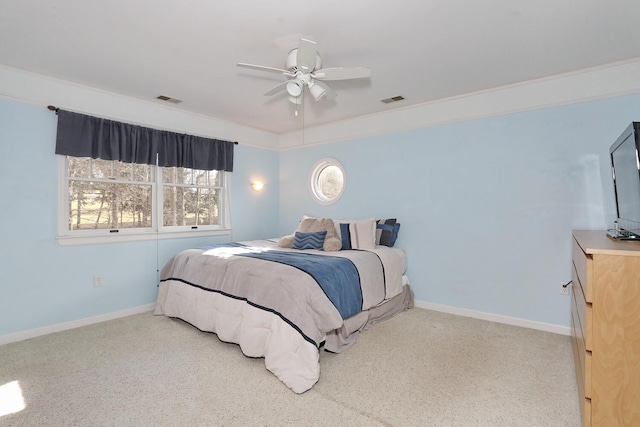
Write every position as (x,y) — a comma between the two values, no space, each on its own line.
(625,168)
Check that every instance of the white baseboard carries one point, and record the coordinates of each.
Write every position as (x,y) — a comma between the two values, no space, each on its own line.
(541,326)
(32,333)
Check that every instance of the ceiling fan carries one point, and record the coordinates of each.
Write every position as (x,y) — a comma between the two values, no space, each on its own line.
(303,67)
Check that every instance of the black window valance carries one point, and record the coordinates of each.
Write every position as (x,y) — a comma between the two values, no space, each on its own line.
(80,135)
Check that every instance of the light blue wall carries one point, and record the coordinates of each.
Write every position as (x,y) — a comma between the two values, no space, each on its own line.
(486,206)
(43,283)
(254,215)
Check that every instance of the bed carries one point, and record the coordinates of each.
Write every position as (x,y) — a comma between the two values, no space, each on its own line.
(285,304)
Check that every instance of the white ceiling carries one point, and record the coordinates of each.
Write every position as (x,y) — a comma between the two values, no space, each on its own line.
(424,50)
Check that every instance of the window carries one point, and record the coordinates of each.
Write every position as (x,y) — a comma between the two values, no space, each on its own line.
(107,200)
(106,194)
(190,197)
(327,181)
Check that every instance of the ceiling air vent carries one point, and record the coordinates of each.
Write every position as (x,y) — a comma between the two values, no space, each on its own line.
(169,99)
(393,99)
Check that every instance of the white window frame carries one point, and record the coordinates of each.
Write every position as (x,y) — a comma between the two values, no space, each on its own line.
(157,231)
(316,193)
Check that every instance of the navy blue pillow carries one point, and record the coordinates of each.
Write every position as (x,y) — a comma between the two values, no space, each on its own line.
(309,240)
(394,236)
(387,229)
(346,236)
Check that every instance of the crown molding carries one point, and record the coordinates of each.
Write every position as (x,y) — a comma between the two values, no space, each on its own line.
(37,89)
(581,86)
(591,84)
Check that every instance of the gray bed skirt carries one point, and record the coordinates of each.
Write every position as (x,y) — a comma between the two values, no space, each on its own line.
(342,339)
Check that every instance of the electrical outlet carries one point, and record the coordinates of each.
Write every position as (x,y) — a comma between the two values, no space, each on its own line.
(97,281)
(564,290)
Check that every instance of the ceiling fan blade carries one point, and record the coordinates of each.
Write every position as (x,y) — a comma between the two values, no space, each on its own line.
(263,68)
(279,88)
(328,92)
(340,73)
(306,57)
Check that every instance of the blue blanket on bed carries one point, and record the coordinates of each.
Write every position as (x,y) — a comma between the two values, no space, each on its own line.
(338,277)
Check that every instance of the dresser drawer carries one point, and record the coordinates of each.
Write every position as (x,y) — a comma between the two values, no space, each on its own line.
(583,265)
(584,311)
(583,357)
(585,402)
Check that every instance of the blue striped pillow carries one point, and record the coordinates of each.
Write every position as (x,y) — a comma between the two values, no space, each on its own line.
(309,240)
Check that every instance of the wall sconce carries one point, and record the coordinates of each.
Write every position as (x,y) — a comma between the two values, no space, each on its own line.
(257,185)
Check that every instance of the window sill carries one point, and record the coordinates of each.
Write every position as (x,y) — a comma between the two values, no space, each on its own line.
(94,239)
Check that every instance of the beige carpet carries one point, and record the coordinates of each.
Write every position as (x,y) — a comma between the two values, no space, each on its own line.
(421,368)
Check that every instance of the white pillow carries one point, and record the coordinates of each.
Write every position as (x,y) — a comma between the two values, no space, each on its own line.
(362,232)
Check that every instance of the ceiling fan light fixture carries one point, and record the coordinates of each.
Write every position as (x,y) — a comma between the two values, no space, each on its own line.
(317,91)
(294,88)
(303,67)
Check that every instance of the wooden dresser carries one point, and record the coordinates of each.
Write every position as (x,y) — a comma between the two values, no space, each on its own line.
(605,316)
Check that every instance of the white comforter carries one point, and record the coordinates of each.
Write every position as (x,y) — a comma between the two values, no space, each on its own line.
(271,310)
